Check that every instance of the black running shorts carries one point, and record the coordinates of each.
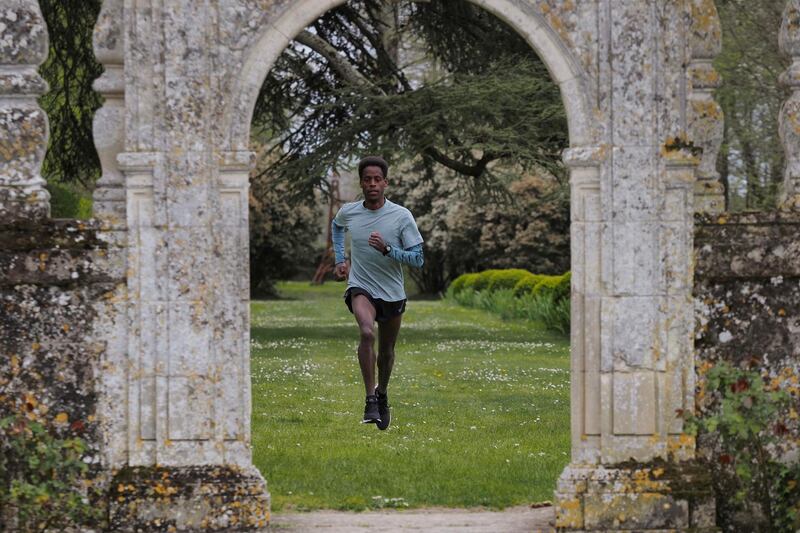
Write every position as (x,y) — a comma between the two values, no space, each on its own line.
(383,310)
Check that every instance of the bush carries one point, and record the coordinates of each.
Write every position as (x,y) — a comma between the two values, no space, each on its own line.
(526,284)
(483,279)
(548,304)
(506,279)
(553,313)
(69,201)
(41,478)
(745,427)
(462,282)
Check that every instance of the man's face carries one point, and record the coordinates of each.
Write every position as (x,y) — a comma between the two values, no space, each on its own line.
(373,183)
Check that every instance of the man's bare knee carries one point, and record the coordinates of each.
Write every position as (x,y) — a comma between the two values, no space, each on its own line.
(367,335)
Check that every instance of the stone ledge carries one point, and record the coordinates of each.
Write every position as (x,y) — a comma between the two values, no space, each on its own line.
(67,234)
(183,499)
(747,245)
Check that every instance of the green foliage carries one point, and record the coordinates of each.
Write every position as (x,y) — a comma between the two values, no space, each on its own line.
(70,70)
(506,279)
(331,96)
(548,302)
(41,478)
(551,311)
(462,282)
(282,234)
(526,227)
(751,160)
(556,287)
(69,201)
(526,283)
(745,424)
(483,280)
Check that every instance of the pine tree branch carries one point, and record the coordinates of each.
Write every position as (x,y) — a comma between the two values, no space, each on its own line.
(348,73)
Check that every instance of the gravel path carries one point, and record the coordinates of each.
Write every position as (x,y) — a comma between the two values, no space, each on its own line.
(510,520)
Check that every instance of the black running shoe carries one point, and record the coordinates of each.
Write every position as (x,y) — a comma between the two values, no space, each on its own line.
(383,410)
(371,413)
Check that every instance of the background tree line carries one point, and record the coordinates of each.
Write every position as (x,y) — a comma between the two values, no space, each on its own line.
(461,106)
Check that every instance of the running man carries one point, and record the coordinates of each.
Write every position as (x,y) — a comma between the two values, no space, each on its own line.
(383,237)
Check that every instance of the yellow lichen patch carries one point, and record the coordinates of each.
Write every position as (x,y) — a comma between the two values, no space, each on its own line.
(705,21)
(62,418)
(569,513)
(162,490)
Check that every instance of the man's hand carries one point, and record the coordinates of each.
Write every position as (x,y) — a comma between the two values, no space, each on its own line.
(341,271)
(376,241)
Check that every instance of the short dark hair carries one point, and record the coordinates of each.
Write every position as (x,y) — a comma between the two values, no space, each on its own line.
(373,161)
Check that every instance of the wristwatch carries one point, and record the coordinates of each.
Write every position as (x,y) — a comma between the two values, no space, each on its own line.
(387,250)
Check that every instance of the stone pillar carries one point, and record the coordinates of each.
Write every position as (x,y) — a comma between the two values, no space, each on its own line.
(109,120)
(705,114)
(187,375)
(23,47)
(632,320)
(789,126)
(586,231)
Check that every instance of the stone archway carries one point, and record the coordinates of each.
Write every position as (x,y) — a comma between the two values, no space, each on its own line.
(174,400)
(631,193)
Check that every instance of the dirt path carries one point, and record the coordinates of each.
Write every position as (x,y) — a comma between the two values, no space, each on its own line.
(510,520)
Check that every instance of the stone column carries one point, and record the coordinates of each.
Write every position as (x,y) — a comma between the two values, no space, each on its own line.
(705,114)
(23,47)
(109,120)
(789,126)
(187,375)
(632,319)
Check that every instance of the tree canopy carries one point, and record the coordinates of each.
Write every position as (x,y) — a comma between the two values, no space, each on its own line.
(70,103)
(751,160)
(443,81)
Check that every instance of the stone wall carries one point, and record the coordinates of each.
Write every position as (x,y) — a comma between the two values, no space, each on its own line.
(52,274)
(747,299)
(747,290)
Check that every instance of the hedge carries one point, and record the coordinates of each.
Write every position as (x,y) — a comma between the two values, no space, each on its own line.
(506,279)
(464,281)
(483,279)
(526,284)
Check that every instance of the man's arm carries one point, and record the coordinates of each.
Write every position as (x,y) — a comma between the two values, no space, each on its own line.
(340,271)
(337,236)
(410,256)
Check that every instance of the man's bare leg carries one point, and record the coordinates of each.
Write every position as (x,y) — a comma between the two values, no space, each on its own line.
(387,337)
(365,316)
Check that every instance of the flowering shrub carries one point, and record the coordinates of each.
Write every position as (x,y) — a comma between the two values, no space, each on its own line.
(742,425)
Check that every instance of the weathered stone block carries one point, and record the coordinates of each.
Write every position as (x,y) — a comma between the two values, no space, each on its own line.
(198,498)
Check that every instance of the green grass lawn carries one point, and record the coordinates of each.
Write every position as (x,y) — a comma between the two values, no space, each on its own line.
(480,407)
